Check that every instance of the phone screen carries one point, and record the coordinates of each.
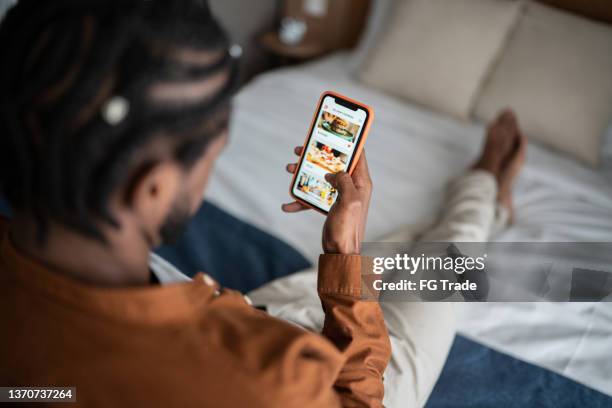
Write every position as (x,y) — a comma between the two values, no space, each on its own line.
(333,140)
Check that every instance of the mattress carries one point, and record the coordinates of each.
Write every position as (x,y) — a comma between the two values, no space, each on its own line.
(413,153)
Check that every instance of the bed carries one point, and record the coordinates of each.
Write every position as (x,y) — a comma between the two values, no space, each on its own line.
(413,153)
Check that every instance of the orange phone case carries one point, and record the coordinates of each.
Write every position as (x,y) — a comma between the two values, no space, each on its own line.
(358,150)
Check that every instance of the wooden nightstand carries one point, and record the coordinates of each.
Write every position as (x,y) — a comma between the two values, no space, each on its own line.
(338,28)
(290,54)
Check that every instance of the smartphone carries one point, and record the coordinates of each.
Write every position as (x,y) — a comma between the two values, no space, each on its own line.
(334,143)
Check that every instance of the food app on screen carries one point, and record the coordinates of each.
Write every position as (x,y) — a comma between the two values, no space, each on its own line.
(330,147)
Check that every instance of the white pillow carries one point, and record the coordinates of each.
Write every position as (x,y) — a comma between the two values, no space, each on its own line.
(557,74)
(437,52)
(378,19)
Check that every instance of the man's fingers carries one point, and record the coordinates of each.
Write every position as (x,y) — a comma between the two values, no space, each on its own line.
(361,174)
(291,168)
(293,207)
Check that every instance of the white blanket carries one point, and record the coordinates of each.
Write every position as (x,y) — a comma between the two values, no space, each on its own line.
(412,154)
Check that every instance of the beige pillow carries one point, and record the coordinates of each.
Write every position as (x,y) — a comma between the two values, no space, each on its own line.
(557,74)
(437,52)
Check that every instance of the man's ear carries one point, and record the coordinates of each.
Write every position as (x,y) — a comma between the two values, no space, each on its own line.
(152,192)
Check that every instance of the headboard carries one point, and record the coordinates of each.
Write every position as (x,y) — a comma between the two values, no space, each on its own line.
(596,9)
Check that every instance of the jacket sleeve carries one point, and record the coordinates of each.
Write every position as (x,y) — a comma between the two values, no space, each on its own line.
(275,364)
(357,328)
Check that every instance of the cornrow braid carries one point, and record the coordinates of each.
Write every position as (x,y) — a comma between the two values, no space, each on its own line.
(84,91)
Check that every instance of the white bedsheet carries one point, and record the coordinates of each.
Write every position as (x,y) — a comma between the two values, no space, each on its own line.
(412,154)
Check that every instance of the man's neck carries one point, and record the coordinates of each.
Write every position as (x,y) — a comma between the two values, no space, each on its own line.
(121,262)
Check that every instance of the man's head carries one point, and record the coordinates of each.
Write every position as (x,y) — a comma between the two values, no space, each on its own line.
(112,112)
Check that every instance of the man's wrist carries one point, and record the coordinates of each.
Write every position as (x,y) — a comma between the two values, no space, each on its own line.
(341,249)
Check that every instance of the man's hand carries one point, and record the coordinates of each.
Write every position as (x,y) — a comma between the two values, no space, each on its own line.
(345,225)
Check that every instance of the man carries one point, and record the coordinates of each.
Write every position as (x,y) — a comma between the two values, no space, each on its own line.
(113,114)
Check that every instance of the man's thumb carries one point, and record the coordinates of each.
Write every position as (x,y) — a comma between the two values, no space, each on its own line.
(340,181)
(332,178)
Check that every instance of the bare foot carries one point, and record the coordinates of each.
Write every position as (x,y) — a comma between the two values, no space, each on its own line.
(500,140)
(510,171)
(503,155)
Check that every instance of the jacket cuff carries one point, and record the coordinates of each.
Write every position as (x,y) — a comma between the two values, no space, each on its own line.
(341,274)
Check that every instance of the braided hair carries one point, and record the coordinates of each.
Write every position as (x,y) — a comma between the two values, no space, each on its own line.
(86,86)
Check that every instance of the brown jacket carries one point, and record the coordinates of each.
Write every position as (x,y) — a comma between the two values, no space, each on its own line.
(185,345)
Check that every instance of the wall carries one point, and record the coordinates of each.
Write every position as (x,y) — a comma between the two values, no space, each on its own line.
(245,20)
